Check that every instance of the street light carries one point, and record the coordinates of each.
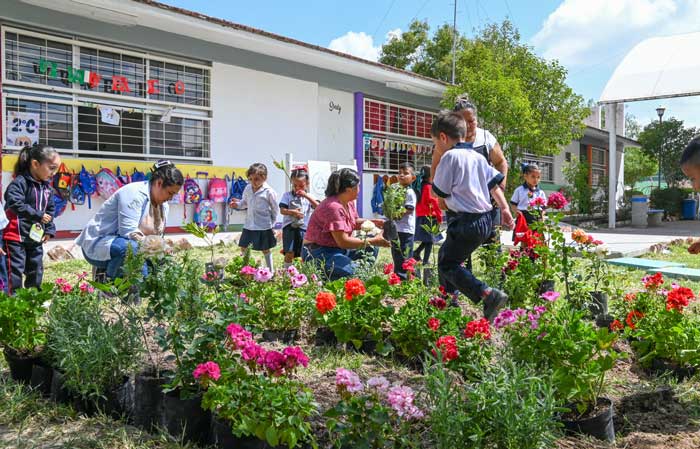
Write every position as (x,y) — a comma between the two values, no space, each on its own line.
(660,112)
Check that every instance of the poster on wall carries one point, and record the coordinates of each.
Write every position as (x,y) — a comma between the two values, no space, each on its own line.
(319,171)
(22,128)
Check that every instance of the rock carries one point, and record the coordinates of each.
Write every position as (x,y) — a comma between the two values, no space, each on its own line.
(59,253)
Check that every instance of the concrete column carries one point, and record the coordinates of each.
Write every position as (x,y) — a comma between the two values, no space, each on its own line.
(612,162)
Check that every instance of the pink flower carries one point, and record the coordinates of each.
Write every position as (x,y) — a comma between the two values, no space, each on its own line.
(274,362)
(66,288)
(86,288)
(538,202)
(60,281)
(401,400)
(550,296)
(294,357)
(292,271)
(379,383)
(557,201)
(348,380)
(239,336)
(252,352)
(299,280)
(82,275)
(263,275)
(505,318)
(248,270)
(206,371)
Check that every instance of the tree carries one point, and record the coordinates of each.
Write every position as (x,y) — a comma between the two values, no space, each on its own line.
(632,127)
(638,165)
(668,140)
(402,51)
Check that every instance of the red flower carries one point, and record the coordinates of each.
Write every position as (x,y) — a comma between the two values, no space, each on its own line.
(532,239)
(478,328)
(438,303)
(653,282)
(353,288)
(629,297)
(443,292)
(388,268)
(409,265)
(394,279)
(557,201)
(678,298)
(616,325)
(633,318)
(512,265)
(434,324)
(447,345)
(325,302)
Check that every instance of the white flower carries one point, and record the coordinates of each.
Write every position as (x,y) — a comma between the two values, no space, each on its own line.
(368,227)
(601,250)
(153,246)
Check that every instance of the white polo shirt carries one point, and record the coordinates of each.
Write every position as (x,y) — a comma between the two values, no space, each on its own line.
(262,207)
(407,223)
(464,179)
(524,194)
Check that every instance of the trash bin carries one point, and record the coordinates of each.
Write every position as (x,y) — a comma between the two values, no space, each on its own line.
(640,207)
(688,210)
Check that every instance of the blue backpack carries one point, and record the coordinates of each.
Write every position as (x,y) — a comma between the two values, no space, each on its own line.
(138,176)
(88,183)
(77,195)
(238,185)
(205,214)
(59,202)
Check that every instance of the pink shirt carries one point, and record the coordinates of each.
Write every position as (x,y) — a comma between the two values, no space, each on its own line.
(330,215)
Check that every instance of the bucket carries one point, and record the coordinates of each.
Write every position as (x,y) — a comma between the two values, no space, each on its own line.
(688,209)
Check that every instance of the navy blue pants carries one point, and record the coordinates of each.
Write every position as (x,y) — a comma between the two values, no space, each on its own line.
(336,262)
(465,233)
(24,259)
(402,251)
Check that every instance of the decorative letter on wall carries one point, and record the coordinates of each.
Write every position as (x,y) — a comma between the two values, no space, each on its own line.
(120,84)
(152,89)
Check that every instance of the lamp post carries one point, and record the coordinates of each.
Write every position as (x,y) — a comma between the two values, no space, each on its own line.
(660,112)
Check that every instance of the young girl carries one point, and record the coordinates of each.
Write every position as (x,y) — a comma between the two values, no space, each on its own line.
(428,213)
(527,192)
(296,206)
(261,203)
(30,208)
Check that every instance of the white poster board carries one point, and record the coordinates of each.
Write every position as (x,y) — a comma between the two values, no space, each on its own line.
(319,171)
(22,128)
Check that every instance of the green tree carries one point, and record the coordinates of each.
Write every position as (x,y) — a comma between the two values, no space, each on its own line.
(403,51)
(638,165)
(632,126)
(667,140)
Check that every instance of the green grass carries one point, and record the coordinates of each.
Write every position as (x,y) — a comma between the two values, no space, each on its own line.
(678,253)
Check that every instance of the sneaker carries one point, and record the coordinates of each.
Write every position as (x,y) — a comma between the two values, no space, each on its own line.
(493,302)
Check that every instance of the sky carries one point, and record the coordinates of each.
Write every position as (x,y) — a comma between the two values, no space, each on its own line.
(588,37)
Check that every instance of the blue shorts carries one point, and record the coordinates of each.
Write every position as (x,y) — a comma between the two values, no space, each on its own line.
(292,239)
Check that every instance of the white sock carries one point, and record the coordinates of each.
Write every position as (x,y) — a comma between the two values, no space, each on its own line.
(268,261)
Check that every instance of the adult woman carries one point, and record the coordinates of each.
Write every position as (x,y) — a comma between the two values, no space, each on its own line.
(328,238)
(127,217)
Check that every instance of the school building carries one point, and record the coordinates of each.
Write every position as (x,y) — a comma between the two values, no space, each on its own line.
(120,84)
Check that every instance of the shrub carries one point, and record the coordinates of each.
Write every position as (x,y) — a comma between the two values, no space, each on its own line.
(20,320)
(670,199)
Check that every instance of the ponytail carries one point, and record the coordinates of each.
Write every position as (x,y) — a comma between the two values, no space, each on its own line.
(341,180)
(37,152)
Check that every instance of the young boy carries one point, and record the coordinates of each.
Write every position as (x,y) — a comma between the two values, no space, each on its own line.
(690,165)
(462,182)
(406,226)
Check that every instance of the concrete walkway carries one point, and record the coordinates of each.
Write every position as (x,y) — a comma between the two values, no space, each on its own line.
(622,242)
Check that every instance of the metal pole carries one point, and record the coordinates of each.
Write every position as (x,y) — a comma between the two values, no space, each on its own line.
(454,42)
(611,123)
(661,129)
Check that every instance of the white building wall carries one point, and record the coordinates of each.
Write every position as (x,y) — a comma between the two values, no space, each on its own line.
(336,125)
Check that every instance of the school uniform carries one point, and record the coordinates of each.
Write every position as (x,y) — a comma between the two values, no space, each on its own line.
(464,179)
(3,258)
(294,229)
(406,227)
(262,211)
(522,196)
(26,202)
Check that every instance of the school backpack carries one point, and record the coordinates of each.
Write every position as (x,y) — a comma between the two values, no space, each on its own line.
(59,202)
(138,176)
(88,184)
(77,196)
(205,215)
(237,187)
(123,178)
(107,183)
(217,190)
(62,181)
(193,193)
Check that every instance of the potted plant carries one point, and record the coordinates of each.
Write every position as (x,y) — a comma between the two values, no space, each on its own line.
(22,333)
(598,272)
(94,353)
(253,400)
(557,339)
(394,208)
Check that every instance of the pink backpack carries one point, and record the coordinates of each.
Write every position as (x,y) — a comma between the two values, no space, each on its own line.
(218,191)
(107,183)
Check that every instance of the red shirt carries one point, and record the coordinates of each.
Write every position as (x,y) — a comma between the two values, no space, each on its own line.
(428,205)
(330,215)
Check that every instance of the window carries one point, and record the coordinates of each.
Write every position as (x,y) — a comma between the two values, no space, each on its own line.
(546,164)
(82,78)
(386,155)
(598,166)
(56,128)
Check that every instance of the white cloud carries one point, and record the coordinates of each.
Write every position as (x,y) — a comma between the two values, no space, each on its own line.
(361,44)
(581,32)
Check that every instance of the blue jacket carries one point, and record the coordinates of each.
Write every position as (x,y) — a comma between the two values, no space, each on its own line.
(378,196)
(26,202)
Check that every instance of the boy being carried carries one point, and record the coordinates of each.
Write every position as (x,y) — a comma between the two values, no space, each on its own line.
(463,181)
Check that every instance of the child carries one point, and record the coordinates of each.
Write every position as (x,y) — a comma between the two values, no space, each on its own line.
(428,213)
(690,165)
(261,203)
(463,180)
(406,225)
(3,256)
(30,209)
(296,206)
(527,192)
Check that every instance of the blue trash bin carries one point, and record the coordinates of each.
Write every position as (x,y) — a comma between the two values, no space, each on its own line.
(688,209)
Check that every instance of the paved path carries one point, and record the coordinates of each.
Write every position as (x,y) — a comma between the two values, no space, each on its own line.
(622,242)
